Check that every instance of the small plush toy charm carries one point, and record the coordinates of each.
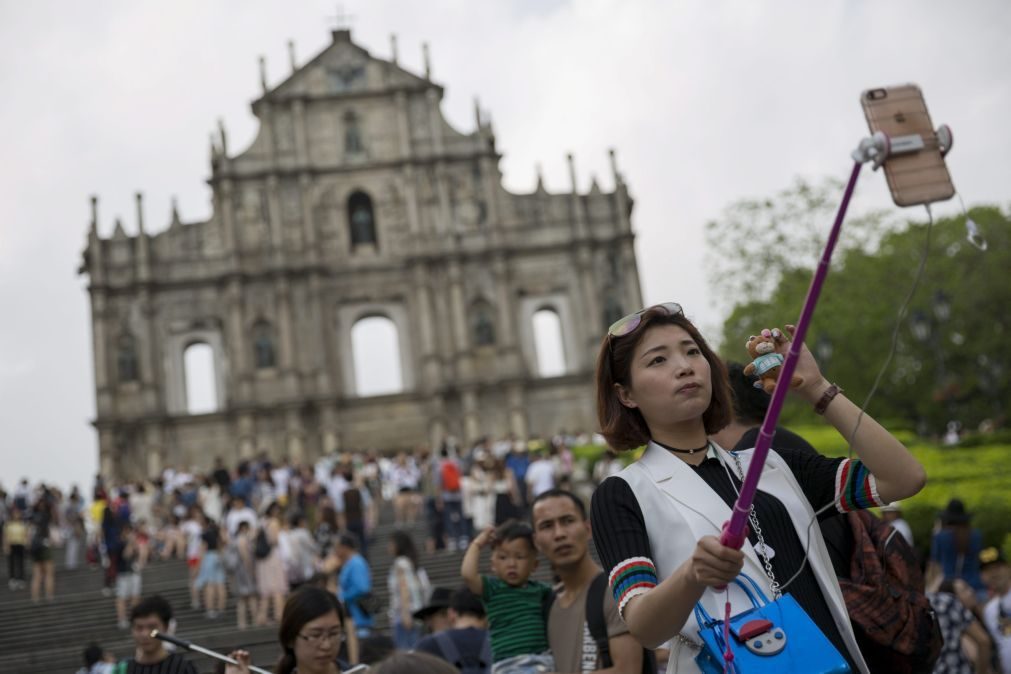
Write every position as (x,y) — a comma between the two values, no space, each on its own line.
(767,363)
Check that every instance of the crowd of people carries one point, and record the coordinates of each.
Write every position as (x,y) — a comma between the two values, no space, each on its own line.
(255,531)
(293,542)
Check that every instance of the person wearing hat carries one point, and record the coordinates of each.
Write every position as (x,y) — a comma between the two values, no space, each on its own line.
(996,576)
(892,514)
(956,547)
(464,642)
(435,614)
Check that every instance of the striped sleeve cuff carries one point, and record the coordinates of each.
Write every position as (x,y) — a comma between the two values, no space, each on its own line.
(855,487)
(634,576)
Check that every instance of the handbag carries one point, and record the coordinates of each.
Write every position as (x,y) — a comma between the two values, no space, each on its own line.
(773,637)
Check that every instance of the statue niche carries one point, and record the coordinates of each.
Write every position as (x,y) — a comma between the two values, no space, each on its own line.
(263,346)
(361,217)
(126,359)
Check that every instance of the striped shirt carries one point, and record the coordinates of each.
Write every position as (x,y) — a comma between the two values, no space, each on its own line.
(515,617)
(173,664)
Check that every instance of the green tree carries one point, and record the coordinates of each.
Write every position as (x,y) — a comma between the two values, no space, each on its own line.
(949,361)
(757,242)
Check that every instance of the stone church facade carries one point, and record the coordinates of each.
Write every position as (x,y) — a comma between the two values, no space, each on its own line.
(357,199)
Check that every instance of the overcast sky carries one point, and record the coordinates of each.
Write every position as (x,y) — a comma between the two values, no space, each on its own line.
(705,102)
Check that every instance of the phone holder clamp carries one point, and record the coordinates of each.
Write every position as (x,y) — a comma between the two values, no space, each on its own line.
(880,146)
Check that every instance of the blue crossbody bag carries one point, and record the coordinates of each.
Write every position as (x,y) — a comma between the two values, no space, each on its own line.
(771,637)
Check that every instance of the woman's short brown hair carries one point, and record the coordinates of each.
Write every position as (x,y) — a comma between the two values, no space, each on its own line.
(625,428)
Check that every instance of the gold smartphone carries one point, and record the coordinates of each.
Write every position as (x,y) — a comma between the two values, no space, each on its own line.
(915,176)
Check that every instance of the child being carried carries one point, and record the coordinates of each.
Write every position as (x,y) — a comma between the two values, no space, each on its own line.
(514,604)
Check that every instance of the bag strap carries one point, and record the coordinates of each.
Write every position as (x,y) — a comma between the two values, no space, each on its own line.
(702,616)
(595,618)
(448,648)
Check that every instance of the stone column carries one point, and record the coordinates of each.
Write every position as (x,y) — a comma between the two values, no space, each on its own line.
(329,424)
(591,311)
(149,372)
(246,435)
(316,313)
(517,404)
(286,340)
(630,274)
(100,350)
(310,250)
(154,443)
(403,127)
(411,197)
(107,459)
(510,363)
(458,309)
(301,133)
(294,435)
(226,207)
(437,422)
(431,378)
(275,225)
(471,416)
(238,341)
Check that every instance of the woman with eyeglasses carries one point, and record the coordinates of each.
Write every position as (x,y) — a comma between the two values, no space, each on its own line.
(311,634)
(657,523)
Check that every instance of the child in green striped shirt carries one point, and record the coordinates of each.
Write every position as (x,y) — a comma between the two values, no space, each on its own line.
(514,603)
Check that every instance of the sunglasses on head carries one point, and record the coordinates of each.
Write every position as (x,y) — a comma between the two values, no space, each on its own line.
(627,324)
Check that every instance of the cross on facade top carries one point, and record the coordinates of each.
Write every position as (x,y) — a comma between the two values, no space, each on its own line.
(342,19)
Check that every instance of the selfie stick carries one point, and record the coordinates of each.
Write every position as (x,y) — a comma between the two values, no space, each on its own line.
(190,646)
(876,149)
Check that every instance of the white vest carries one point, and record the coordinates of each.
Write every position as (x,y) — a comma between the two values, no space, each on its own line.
(679,508)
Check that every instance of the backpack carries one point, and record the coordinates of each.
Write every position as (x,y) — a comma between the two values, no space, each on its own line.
(894,623)
(469,664)
(596,621)
(450,476)
(261,548)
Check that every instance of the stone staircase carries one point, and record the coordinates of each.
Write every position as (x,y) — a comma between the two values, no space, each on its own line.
(49,638)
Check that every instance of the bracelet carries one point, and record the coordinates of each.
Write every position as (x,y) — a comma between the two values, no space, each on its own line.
(827,397)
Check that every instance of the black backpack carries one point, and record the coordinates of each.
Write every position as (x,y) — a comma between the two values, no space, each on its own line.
(467,664)
(261,547)
(596,621)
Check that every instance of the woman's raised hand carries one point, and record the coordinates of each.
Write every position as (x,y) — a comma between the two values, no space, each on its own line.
(242,657)
(812,383)
(714,564)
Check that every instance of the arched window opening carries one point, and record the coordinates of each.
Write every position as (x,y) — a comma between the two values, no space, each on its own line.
(199,375)
(263,346)
(126,359)
(482,323)
(352,134)
(375,348)
(548,343)
(362,219)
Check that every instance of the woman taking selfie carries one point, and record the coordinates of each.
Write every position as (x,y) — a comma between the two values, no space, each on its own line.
(657,523)
(311,634)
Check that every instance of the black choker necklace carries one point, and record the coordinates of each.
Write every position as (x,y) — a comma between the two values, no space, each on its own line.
(683,451)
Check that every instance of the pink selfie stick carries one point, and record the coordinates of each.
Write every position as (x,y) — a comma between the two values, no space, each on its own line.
(734,531)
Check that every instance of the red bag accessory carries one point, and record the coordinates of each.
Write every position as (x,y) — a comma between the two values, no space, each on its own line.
(450,476)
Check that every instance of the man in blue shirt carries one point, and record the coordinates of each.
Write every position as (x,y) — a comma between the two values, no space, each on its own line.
(518,461)
(354,581)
